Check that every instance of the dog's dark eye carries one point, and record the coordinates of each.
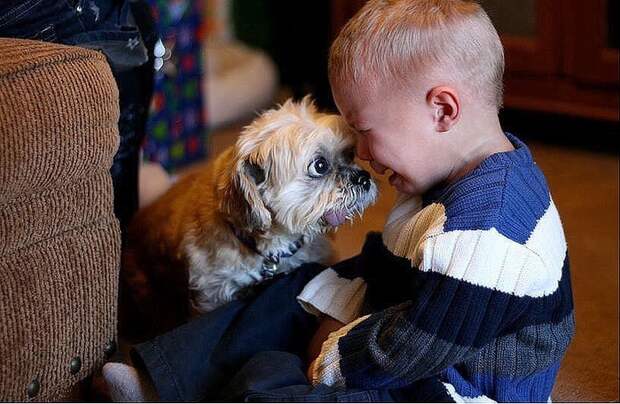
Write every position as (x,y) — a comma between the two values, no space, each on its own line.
(318,168)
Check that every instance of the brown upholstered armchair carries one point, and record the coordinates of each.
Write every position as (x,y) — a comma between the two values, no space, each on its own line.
(59,239)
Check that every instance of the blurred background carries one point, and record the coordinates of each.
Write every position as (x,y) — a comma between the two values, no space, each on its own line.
(220,62)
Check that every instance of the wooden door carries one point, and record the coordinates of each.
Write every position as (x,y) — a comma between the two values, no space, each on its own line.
(591,41)
(529,30)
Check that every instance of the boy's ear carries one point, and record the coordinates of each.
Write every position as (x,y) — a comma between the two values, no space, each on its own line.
(446,106)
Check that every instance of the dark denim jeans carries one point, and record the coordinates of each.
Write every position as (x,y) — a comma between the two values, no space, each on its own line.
(197,360)
(125,32)
(252,350)
(275,376)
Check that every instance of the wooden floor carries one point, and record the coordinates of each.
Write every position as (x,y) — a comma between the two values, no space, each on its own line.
(584,186)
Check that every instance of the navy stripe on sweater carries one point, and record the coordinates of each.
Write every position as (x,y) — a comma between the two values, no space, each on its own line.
(507,192)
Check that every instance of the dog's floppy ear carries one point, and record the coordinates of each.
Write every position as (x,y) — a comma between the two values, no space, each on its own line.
(242,200)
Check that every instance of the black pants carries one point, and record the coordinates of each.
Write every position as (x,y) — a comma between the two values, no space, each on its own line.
(125,32)
(251,350)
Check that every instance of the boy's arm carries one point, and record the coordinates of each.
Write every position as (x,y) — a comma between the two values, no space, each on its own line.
(327,325)
(375,277)
(420,338)
(337,292)
(449,318)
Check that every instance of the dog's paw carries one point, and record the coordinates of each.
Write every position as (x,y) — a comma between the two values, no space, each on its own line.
(285,251)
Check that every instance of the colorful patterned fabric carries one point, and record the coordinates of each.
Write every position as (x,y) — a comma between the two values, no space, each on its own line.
(176,127)
(486,304)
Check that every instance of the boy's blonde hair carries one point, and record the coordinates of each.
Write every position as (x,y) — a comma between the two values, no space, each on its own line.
(399,40)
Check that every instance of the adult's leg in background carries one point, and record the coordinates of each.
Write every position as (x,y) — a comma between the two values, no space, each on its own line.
(124,31)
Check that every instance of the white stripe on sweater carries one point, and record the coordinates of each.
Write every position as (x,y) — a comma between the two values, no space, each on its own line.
(483,257)
(337,297)
(464,399)
(327,364)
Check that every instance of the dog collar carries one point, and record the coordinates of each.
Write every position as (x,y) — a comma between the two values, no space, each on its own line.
(272,259)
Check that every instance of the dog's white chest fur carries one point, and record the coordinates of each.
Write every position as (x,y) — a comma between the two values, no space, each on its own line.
(217,275)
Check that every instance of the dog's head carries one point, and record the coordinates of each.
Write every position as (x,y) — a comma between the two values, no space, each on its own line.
(293,168)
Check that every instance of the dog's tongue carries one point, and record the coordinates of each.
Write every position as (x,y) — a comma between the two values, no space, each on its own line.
(335,217)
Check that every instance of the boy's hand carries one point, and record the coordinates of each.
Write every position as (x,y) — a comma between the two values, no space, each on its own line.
(327,325)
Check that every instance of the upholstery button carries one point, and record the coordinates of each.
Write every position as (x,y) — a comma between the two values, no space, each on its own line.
(109,349)
(33,388)
(75,365)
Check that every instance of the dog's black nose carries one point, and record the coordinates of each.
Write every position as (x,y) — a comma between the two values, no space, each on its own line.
(361,178)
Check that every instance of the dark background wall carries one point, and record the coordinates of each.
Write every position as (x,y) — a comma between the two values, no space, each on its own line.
(296,35)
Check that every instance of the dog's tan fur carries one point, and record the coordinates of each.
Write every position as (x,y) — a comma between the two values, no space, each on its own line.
(184,241)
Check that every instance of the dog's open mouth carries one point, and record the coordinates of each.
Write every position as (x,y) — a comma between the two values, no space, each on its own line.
(336,217)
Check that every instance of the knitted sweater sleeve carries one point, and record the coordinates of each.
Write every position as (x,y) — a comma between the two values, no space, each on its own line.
(338,292)
(465,297)
(344,290)
(347,289)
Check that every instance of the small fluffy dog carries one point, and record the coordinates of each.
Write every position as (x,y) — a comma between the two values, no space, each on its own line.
(261,208)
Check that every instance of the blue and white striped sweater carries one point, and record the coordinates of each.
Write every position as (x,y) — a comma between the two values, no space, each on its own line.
(481,271)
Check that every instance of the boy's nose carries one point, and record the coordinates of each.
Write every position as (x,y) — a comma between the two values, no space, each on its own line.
(361,149)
